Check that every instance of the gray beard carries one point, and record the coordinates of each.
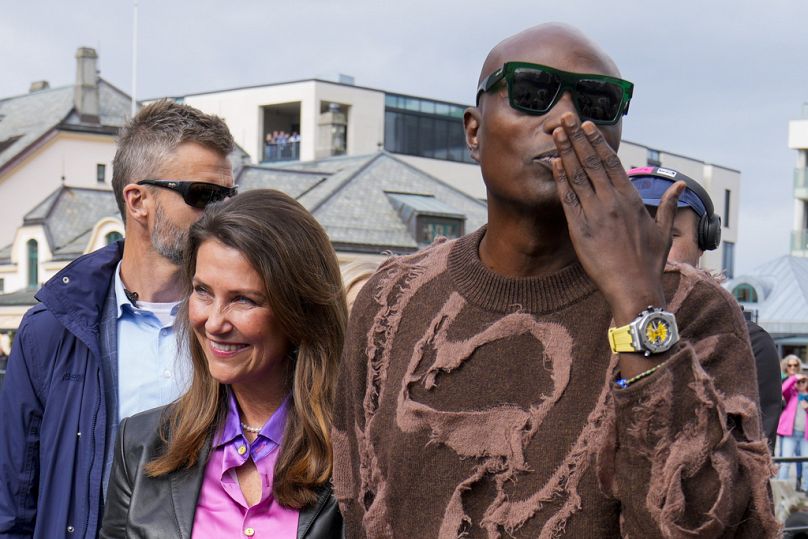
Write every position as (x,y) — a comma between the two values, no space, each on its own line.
(168,239)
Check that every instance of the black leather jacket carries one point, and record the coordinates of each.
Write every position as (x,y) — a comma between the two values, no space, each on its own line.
(161,507)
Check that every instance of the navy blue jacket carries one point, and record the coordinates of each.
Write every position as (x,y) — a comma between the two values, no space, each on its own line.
(52,407)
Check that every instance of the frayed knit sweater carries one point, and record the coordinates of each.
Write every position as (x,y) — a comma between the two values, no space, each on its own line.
(475,405)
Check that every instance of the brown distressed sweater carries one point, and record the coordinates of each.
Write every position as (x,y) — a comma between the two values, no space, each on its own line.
(474,405)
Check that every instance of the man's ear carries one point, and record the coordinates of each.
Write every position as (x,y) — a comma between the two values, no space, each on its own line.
(471,125)
(137,201)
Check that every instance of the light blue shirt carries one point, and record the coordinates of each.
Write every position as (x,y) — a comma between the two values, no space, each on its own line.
(150,372)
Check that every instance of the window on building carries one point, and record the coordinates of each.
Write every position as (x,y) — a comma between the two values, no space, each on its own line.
(100,173)
(727,194)
(33,263)
(728,259)
(112,237)
(653,158)
(2,285)
(425,128)
(430,227)
(426,217)
(745,293)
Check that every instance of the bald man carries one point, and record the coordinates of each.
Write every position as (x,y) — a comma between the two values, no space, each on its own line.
(541,376)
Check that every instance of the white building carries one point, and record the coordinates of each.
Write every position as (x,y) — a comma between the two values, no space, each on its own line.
(57,136)
(798,140)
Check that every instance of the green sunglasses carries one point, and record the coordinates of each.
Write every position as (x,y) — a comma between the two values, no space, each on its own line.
(535,89)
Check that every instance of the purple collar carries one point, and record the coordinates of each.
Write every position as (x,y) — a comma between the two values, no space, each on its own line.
(270,437)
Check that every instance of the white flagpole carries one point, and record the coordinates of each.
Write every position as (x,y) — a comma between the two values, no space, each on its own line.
(134,58)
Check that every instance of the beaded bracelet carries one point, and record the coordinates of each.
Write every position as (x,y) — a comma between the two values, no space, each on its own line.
(622,383)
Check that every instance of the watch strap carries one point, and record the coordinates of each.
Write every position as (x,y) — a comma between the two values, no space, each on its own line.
(621,339)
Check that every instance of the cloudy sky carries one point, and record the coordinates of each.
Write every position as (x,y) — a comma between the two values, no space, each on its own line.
(716,80)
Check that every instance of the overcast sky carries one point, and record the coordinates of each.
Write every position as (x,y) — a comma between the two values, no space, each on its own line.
(716,80)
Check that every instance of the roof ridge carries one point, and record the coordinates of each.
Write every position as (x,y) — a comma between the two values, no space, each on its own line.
(38,92)
(346,181)
(281,169)
(50,200)
(452,187)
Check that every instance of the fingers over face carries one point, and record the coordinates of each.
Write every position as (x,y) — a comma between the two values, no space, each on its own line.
(569,200)
(576,175)
(580,137)
(612,166)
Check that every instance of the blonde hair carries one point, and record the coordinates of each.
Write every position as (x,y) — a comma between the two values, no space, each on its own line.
(354,276)
(297,263)
(784,362)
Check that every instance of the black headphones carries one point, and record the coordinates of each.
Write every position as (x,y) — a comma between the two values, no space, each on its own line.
(709,227)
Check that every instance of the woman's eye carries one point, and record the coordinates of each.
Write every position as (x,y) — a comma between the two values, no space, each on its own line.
(200,290)
(244,299)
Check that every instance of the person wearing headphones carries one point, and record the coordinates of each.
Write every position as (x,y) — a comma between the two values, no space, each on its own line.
(697,228)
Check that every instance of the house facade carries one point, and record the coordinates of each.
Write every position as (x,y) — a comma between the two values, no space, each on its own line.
(57,136)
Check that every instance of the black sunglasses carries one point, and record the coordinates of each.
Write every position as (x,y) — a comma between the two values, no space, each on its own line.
(535,89)
(196,194)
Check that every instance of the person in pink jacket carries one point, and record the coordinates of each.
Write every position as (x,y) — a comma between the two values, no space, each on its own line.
(792,426)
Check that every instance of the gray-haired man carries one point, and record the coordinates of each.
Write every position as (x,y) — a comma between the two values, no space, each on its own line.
(100,345)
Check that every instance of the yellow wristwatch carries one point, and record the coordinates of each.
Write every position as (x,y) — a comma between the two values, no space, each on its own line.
(654,331)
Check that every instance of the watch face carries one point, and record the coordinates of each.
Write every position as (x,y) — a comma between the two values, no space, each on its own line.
(658,334)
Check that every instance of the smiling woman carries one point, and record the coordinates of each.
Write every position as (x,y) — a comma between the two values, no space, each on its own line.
(246,450)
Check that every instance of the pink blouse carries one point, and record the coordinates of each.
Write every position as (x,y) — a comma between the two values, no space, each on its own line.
(221,510)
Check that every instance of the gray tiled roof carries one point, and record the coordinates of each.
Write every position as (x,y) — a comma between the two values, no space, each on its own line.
(329,164)
(5,254)
(782,288)
(33,115)
(353,206)
(69,215)
(19,297)
(423,204)
(292,182)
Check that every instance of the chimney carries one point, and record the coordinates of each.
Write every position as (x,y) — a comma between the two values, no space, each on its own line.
(85,96)
(38,85)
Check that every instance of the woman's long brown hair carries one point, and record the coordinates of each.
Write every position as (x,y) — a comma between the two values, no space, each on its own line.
(299,268)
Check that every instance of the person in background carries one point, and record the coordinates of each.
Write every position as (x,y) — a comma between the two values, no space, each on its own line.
(246,450)
(354,276)
(792,427)
(696,228)
(790,365)
(100,345)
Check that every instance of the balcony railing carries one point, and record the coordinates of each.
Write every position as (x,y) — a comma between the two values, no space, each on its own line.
(801,182)
(799,240)
(284,151)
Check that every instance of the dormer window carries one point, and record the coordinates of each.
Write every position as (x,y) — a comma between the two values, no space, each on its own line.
(431,227)
(427,217)
(745,293)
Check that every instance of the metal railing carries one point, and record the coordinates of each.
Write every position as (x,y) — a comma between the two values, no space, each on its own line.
(799,240)
(284,151)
